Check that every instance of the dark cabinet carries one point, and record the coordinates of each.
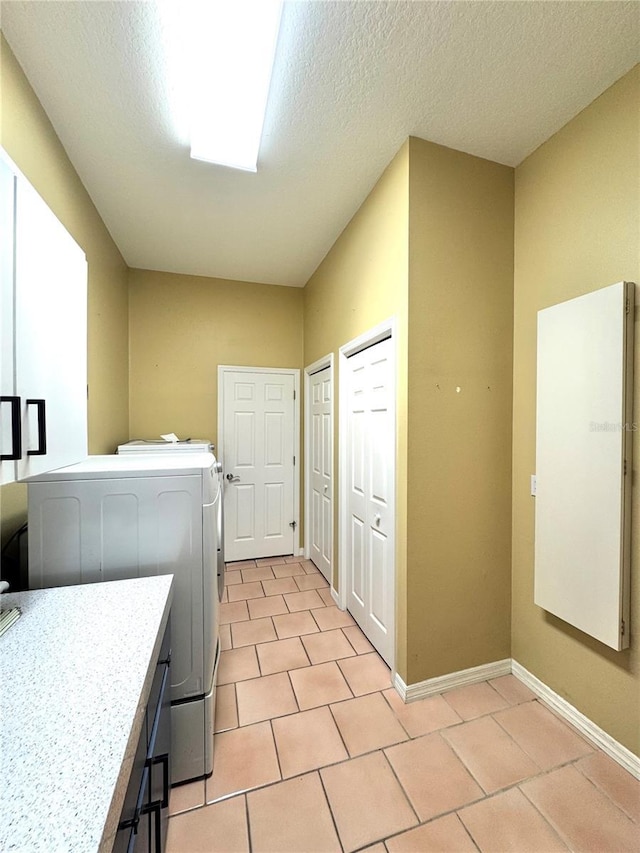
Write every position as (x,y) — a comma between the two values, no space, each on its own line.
(143,822)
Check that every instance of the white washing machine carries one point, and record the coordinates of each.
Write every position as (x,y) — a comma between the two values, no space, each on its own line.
(144,445)
(136,515)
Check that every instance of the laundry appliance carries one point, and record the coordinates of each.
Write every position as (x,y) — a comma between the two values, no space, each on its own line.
(187,445)
(136,515)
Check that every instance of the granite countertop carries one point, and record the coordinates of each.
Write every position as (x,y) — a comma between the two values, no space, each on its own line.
(75,676)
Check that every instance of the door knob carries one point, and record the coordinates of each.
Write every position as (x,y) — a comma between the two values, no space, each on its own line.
(231,477)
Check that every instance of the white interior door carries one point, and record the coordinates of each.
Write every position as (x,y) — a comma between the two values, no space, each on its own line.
(370,507)
(320,491)
(258,450)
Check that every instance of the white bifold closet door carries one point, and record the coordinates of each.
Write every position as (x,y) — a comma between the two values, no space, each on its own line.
(370,511)
(321,474)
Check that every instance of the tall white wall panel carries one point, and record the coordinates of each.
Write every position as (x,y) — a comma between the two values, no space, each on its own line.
(583,462)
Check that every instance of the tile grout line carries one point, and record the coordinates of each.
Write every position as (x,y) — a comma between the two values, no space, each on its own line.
(485,793)
(444,694)
(542,771)
(397,718)
(275,748)
(235,702)
(467,830)
(604,793)
(293,690)
(349,641)
(433,820)
(497,689)
(461,722)
(599,788)
(402,788)
(335,723)
(549,823)
(333,819)
(262,675)
(452,746)
(510,736)
(512,786)
(248,822)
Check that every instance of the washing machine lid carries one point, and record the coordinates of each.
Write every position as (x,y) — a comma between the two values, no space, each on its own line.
(127,465)
(189,445)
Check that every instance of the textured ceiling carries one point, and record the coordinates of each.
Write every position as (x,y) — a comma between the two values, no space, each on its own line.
(352,81)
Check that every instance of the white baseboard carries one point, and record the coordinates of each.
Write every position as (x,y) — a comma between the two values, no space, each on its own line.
(335,595)
(627,759)
(411,692)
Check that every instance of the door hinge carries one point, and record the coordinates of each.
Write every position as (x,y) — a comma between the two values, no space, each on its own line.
(294,390)
(293,524)
(294,461)
(622,627)
(625,468)
(627,308)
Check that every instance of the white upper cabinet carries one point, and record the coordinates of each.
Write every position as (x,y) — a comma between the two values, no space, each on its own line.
(9,408)
(43,413)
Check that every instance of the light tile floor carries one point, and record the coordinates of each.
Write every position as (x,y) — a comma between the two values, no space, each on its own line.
(315,751)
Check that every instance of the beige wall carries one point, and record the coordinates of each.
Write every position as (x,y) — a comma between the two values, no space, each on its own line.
(433,245)
(459,463)
(361,282)
(363,278)
(182,327)
(577,229)
(29,139)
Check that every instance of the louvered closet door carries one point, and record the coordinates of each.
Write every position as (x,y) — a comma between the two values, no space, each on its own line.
(370,512)
(258,448)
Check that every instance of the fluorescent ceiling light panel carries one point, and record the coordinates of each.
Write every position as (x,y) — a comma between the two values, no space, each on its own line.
(225,51)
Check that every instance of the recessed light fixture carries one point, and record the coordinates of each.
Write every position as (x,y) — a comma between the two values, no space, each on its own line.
(221,56)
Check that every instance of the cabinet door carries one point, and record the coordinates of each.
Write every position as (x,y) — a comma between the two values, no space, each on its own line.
(7,384)
(159,725)
(130,818)
(50,335)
